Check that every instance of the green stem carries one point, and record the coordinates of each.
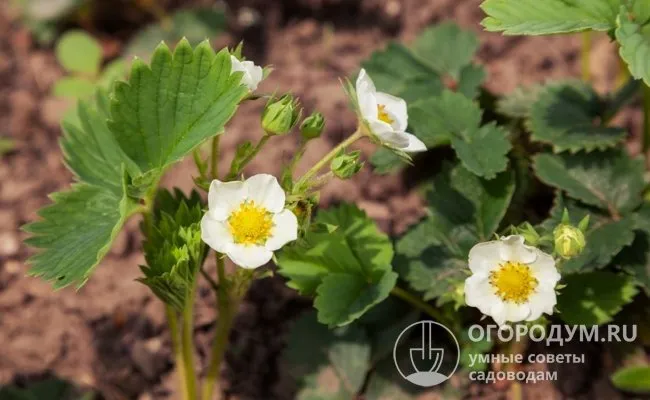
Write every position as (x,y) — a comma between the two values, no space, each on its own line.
(328,157)
(214,158)
(585,52)
(227,309)
(187,337)
(646,119)
(418,303)
(235,170)
(296,158)
(172,322)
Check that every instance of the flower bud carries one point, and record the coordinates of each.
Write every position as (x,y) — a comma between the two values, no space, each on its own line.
(281,115)
(569,240)
(529,233)
(312,126)
(345,166)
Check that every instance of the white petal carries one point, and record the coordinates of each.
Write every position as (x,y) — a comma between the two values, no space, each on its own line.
(396,107)
(223,197)
(513,249)
(484,257)
(285,230)
(544,271)
(541,302)
(366,96)
(249,257)
(498,312)
(516,312)
(265,190)
(255,74)
(479,293)
(388,135)
(415,145)
(215,234)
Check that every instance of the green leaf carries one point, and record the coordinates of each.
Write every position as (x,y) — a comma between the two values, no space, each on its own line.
(386,161)
(605,237)
(564,114)
(47,389)
(446,48)
(470,80)
(464,209)
(594,298)
(166,110)
(533,17)
(112,72)
(6,145)
(455,118)
(634,38)
(75,232)
(328,364)
(73,87)
(195,25)
(634,379)
(635,260)
(349,269)
(79,52)
(519,102)
(610,180)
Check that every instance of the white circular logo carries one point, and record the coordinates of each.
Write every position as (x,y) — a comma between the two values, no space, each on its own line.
(429,365)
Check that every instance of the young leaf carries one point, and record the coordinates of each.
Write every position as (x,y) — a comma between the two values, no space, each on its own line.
(73,87)
(563,116)
(76,231)
(634,379)
(594,298)
(166,110)
(634,37)
(349,269)
(534,17)
(610,180)
(77,51)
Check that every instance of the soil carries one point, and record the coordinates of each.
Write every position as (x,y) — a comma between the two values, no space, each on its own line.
(111,333)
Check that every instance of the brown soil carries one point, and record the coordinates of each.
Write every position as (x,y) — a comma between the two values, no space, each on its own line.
(111,333)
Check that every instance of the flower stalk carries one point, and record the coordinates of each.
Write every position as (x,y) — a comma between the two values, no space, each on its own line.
(172,323)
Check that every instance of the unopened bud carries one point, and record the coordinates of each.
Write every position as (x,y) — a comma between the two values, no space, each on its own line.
(569,240)
(281,115)
(312,126)
(529,233)
(345,166)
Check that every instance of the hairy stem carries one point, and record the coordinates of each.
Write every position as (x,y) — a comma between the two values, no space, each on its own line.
(646,119)
(418,303)
(296,158)
(187,337)
(227,308)
(328,157)
(584,54)
(214,158)
(172,322)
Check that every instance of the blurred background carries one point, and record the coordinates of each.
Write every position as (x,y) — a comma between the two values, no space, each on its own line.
(111,334)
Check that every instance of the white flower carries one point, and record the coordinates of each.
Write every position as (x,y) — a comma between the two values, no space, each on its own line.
(253,74)
(247,220)
(511,281)
(386,115)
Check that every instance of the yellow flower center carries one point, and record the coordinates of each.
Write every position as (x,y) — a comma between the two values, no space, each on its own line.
(383,115)
(250,224)
(513,282)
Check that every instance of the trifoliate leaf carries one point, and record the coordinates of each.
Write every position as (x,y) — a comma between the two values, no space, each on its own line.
(464,209)
(635,379)
(470,80)
(633,34)
(605,237)
(519,102)
(327,364)
(349,269)
(454,118)
(610,180)
(166,110)
(77,51)
(594,298)
(564,114)
(533,17)
(76,231)
(446,48)
(73,87)
(195,25)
